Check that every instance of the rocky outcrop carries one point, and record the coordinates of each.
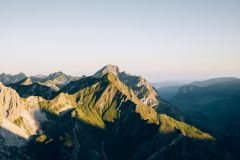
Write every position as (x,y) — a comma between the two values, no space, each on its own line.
(17,116)
(142,88)
(109,68)
(10,103)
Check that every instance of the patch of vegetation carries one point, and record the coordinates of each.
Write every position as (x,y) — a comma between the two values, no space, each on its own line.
(19,121)
(169,124)
(43,104)
(42,138)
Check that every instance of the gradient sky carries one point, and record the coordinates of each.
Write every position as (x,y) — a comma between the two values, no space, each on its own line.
(159,39)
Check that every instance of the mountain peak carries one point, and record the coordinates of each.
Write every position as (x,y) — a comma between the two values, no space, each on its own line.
(148,95)
(21,74)
(106,69)
(57,80)
(110,66)
(56,74)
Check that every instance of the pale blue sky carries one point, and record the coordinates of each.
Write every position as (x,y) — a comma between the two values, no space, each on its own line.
(159,39)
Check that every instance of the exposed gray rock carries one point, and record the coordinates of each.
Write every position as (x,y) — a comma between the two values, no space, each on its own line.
(139,85)
(8,79)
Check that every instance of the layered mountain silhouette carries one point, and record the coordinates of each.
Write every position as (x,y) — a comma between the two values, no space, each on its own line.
(110,115)
(213,106)
(8,79)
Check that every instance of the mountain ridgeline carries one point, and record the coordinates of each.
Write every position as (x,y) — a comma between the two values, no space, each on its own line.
(110,116)
(211,105)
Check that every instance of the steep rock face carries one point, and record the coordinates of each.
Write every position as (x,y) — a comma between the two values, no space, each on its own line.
(109,68)
(139,85)
(10,102)
(8,79)
(16,116)
(143,89)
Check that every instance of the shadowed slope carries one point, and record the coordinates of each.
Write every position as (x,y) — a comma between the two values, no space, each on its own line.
(26,89)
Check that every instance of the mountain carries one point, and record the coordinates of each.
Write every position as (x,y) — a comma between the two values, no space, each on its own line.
(46,87)
(27,88)
(169,89)
(207,94)
(8,79)
(168,92)
(55,80)
(170,83)
(17,123)
(110,118)
(213,81)
(38,78)
(139,85)
(96,118)
(213,107)
(143,89)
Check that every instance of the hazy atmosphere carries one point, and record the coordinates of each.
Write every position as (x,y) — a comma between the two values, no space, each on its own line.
(161,40)
(120,79)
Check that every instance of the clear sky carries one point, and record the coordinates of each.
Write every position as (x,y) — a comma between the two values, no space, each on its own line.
(159,39)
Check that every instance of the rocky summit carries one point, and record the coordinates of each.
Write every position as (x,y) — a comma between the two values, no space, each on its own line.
(111,115)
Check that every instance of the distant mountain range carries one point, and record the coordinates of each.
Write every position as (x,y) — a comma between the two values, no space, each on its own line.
(54,80)
(212,105)
(110,115)
(8,79)
(169,89)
